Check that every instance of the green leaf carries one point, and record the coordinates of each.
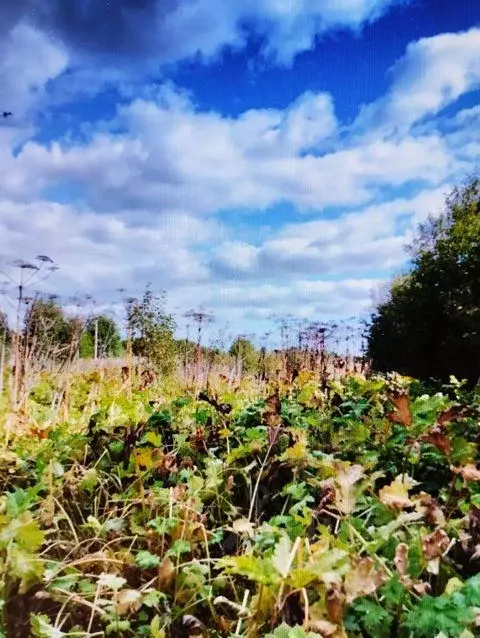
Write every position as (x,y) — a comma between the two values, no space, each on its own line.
(41,628)
(117,626)
(373,617)
(146,560)
(153,438)
(152,597)
(285,631)
(394,592)
(179,547)
(163,525)
(114,524)
(24,530)
(257,569)
(27,567)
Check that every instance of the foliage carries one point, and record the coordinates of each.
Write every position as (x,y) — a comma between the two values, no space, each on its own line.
(282,509)
(245,354)
(428,327)
(109,342)
(151,330)
(47,331)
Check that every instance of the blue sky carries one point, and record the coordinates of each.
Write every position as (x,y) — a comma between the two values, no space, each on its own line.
(262,158)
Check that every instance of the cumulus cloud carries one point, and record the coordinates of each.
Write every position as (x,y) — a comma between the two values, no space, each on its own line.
(28,61)
(362,241)
(433,73)
(151,190)
(165,153)
(170,30)
(99,253)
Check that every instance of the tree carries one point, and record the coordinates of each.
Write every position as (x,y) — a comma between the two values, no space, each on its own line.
(151,330)
(246,355)
(429,326)
(47,332)
(105,331)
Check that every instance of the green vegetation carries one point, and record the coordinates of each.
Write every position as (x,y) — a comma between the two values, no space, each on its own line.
(103,331)
(430,325)
(279,510)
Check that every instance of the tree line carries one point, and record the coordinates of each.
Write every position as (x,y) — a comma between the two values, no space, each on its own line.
(428,327)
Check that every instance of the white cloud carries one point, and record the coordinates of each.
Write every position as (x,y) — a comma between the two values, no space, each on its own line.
(156,185)
(433,73)
(289,26)
(99,253)
(364,241)
(28,61)
(169,155)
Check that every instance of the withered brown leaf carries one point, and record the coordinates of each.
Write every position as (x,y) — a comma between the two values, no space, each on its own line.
(401,414)
(335,604)
(434,545)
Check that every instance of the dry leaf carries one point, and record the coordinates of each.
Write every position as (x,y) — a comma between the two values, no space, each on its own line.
(273,410)
(402,412)
(327,496)
(347,476)
(323,627)
(421,588)
(396,494)
(166,574)
(476,553)
(469,472)
(437,438)
(335,602)
(434,545)
(453,414)
(127,601)
(362,580)
(401,558)
(243,526)
(433,566)
(430,508)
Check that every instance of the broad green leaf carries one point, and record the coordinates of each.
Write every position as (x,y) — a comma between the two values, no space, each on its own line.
(146,560)
(42,628)
(257,569)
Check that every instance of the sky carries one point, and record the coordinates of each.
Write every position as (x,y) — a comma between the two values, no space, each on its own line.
(258,158)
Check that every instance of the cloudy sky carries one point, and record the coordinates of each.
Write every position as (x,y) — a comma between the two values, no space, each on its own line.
(259,158)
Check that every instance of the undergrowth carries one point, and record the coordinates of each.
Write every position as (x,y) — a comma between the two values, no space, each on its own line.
(283,511)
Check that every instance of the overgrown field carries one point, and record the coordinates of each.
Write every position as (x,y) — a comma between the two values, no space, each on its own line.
(284,510)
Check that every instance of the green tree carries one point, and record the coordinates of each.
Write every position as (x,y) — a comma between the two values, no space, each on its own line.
(109,342)
(246,355)
(429,326)
(47,331)
(151,329)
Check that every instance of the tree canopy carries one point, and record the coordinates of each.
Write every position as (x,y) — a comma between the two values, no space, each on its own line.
(151,329)
(109,342)
(47,332)
(245,353)
(429,326)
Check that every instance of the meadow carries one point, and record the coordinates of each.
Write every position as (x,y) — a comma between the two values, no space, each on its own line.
(300,504)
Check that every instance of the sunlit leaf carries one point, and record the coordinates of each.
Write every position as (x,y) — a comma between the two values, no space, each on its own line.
(281,556)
